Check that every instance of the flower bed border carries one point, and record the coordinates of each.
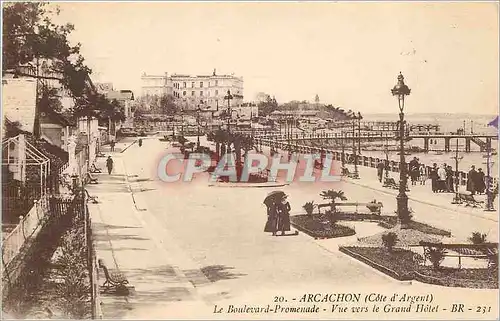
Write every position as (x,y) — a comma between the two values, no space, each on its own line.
(347,250)
(314,234)
(416,274)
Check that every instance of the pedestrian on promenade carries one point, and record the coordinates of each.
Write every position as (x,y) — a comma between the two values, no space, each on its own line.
(284,216)
(414,170)
(423,174)
(480,182)
(449,180)
(433,174)
(272,219)
(109,164)
(112,144)
(471,180)
(380,170)
(442,178)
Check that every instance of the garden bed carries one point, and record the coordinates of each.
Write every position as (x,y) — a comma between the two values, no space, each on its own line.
(388,222)
(401,265)
(315,227)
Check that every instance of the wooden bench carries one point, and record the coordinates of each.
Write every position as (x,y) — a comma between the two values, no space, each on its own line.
(91,198)
(114,279)
(94,169)
(469,200)
(488,251)
(91,179)
(374,207)
(391,183)
(346,172)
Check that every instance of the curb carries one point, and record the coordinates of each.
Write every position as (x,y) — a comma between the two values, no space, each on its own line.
(374,265)
(255,185)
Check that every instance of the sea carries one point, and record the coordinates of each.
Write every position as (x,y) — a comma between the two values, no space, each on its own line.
(448,122)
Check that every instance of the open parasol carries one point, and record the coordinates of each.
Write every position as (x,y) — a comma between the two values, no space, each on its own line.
(273,197)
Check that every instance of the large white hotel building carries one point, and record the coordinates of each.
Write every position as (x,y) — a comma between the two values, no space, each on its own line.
(193,91)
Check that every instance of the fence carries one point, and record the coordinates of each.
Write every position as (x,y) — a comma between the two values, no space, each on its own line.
(26,228)
(349,157)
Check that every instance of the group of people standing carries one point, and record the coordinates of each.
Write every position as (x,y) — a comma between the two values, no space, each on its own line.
(476,181)
(417,171)
(278,216)
(442,178)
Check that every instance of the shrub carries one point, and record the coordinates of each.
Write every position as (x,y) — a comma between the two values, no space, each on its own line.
(389,240)
(309,207)
(436,256)
(478,238)
(332,217)
(418,259)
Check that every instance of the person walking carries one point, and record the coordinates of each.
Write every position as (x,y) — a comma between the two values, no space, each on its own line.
(471,180)
(433,174)
(272,219)
(109,164)
(380,170)
(112,144)
(284,216)
(480,182)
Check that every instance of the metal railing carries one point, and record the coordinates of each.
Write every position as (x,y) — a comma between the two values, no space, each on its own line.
(26,228)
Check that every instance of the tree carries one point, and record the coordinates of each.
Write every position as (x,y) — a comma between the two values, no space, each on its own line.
(389,240)
(332,195)
(268,106)
(309,207)
(167,105)
(30,37)
(48,99)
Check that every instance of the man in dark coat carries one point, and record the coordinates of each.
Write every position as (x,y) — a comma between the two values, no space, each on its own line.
(449,179)
(471,180)
(480,182)
(380,171)
(412,167)
(433,175)
(109,164)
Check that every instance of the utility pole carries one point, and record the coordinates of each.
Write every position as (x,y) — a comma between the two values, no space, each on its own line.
(456,199)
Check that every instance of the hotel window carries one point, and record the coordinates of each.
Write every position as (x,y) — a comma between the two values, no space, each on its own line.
(184,93)
(208,93)
(216,92)
(201,93)
(217,83)
(201,84)
(192,84)
(192,93)
(185,84)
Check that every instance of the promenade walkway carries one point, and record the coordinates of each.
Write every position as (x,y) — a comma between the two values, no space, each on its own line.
(126,242)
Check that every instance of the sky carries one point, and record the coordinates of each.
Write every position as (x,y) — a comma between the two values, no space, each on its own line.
(348,53)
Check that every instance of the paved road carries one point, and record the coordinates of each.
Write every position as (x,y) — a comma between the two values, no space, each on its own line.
(215,236)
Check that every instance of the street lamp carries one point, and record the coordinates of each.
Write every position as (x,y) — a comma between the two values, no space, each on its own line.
(355,154)
(198,110)
(401,90)
(228,97)
(489,192)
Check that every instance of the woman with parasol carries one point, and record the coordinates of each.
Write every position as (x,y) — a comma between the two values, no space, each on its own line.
(271,201)
(283,208)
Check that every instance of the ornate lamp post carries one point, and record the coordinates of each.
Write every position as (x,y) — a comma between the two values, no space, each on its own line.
(401,90)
